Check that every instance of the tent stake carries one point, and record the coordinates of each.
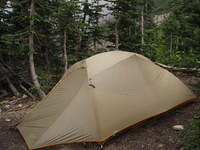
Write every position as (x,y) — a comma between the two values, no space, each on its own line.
(85,144)
(101,146)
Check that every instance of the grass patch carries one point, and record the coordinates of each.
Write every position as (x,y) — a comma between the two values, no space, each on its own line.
(191,136)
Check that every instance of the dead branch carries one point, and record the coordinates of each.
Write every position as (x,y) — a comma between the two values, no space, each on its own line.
(7,68)
(27,92)
(177,69)
(12,87)
(3,93)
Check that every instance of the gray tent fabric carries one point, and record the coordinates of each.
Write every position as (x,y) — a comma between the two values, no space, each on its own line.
(100,96)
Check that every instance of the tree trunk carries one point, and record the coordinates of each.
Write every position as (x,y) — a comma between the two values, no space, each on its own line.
(117,34)
(47,60)
(129,31)
(177,43)
(142,29)
(34,76)
(80,39)
(95,44)
(12,87)
(82,30)
(171,45)
(65,50)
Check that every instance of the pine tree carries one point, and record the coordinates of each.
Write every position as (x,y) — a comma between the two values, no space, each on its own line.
(96,29)
(132,23)
(68,25)
(181,32)
(25,21)
(33,73)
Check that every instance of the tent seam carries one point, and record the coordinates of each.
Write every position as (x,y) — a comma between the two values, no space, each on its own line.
(93,102)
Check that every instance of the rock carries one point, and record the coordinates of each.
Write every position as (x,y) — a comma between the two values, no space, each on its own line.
(171,139)
(19,105)
(7,119)
(197,116)
(7,106)
(178,127)
(0,110)
(24,96)
(13,97)
(160,145)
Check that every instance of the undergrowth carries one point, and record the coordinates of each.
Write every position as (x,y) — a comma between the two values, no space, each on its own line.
(191,134)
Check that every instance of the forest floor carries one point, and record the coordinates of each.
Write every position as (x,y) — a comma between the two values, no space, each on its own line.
(154,134)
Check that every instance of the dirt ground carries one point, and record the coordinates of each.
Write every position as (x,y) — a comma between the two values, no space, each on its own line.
(155,134)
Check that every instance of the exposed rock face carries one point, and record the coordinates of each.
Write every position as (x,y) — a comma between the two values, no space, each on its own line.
(102,45)
(158,19)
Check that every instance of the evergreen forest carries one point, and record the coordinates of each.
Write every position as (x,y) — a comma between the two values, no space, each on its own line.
(40,39)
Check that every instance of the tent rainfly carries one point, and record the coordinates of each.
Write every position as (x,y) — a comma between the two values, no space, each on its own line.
(100,96)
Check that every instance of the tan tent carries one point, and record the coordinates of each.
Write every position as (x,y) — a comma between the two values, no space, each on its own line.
(100,96)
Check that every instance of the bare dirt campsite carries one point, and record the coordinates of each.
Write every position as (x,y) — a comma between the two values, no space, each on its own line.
(154,134)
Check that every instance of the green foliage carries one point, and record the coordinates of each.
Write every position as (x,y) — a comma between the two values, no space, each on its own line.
(127,15)
(191,136)
(162,6)
(176,42)
(47,81)
(196,86)
(178,59)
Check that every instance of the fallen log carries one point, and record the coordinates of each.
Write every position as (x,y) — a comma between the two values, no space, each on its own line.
(12,87)
(3,93)
(177,69)
(7,69)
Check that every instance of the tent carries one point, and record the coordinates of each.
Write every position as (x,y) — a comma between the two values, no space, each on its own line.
(100,96)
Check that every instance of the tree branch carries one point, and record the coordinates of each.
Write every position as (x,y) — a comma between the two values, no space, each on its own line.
(177,69)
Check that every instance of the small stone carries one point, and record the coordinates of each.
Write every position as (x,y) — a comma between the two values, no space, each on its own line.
(171,140)
(160,145)
(24,96)
(7,106)
(182,148)
(19,105)
(13,97)
(178,127)
(7,119)
(0,110)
